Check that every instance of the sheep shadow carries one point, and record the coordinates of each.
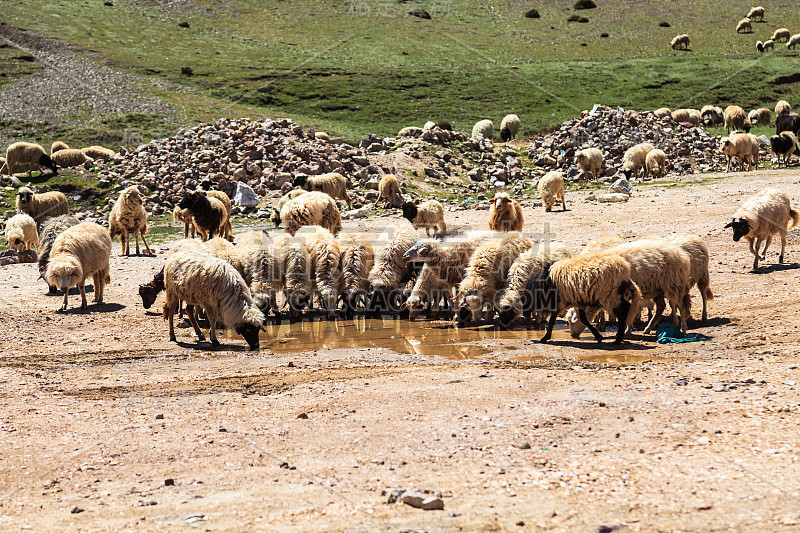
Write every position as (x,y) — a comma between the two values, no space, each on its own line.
(92,308)
(693,323)
(206,346)
(777,267)
(589,343)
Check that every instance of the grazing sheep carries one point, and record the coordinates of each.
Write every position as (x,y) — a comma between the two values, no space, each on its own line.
(697,250)
(787,122)
(783,146)
(756,13)
(663,112)
(429,125)
(275,217)
(150,291)
(761,116)
(734,118)
(444,265)
(782,108)
(514,300)
(50,230)
(694,117)
(759,47)
(390,271)
(509,127)
(483,129)
(58,145)
(259,263)
(80,251)
(41,206)
(311,209)
(635,159)
(390,191)
(22,153)
(769,44)
(410,131)
(742,146)
(355,262)
(680,41)
(184,216)
(428,215)
(590,161)
(324,251)
(656,163)
(662,271)
(486,273)
(333,184)
(599,280)
(761,217)
(71,157)
(551,190)
(214,285)
(208,213)
(98,152)
(21,232)
(793,40)
(129,217)
(505,214)
(684,115)
(781,34)
(744,26)
(297,285)
(708,114)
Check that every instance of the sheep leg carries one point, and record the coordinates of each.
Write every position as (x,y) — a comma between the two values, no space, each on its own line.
(582,315)
(185,230)
(96,278)
(147,249)
(550,324)
(66,295)
(563,203)
(82,288)
(660,306)
(621,312)
(783,247)
(212,319)
(192,316)
(766,245)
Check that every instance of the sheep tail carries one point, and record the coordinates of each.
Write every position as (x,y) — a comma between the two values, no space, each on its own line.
(709,295)
(795,216)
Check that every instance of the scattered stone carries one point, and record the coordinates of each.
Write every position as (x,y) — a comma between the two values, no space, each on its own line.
(169,482)
(76,510)
(532,14)
(420,13)
(245,196)
(159,416)
(303,416)
(147,503)
(621,186)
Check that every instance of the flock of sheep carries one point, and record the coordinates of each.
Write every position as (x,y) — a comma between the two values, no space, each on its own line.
(745,25)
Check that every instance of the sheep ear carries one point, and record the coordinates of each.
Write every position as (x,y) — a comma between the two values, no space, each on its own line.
(728,225)
(457,297)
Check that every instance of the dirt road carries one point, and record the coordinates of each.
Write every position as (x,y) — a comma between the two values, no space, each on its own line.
(107,426)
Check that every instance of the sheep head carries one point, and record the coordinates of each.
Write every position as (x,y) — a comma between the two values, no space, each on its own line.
(64,273)
(740,227)
(507,314)
(25,196)
(45,161)
(410,211)
(300,181)
(421,251)
(505,134)
(193,200)
(250,334)
(133,196)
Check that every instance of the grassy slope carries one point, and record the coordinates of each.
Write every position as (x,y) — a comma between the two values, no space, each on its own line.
(352,72)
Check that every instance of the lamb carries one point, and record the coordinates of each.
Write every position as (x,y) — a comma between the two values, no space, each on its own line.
(58,145)
(486,274)
(661,270)
(23,153)
(428,215)
(208,213)
(324,251)
(50,230)
(21,232)
(41,206)
(782,107)
(761,217)
(793,40)
(662,112)
(444,266)
(551,190)
(756,13)
(129,217)
(783,146)
(311,209)
(79,252)
(505,214)
(590,161)
(333,184)
(390,271)
(787,122)
(734,118)
(769,44)
(217,287)
(98,152)
(509,127)
(742,146)
(781,34)
(635,159)
(70,157)
(515,301)
(601,280)
(275,217)
(483,129)
(389,189)
(223,197)
(259,263)
(356,260)
(680,41)
(697,250)
(184,216)
(656,163)
(744,26)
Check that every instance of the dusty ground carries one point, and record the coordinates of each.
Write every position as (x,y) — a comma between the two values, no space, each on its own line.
(97,409)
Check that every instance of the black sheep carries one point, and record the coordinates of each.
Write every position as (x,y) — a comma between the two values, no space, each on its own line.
(208,219)
(783,146)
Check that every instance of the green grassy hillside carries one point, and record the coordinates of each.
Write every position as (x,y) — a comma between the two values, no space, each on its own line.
(367,67)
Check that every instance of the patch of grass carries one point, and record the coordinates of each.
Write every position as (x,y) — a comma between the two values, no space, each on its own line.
(14,64)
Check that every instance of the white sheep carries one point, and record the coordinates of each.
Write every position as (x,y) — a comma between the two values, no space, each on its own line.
(410,131)
(296,263)
(79,252)
(428,215)
(389,189)
(656,163)
(324,251)
(311,209)
(551,190)
(590,161)
(756,13)
(429,125)
(355,262)
(663,112)
(769,44)
(781,34)
(699,259)
(761,115)
(50,230)
(744,26)
(708,114)
(127,217)
(21,232)
(23,153)
(483,129)
(680,41)
(509,127)
(214,285)
(734,118)
(691,116)
(41,206)
(635,159)
(259,263)
(333,184)
(70,157)
(793,41)
(762,216)
(505,213)
(390,271)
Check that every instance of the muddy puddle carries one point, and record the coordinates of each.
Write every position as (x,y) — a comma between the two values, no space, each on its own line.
(441,339)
